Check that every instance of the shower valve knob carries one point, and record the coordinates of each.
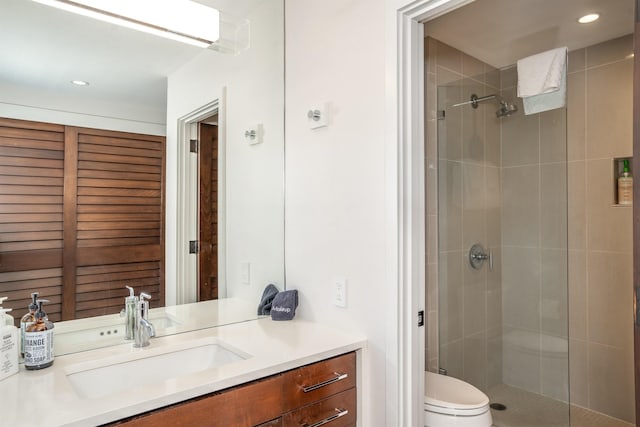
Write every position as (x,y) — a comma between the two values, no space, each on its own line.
(478,255)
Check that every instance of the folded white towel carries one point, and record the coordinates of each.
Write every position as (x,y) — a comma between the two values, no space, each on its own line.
(542,80)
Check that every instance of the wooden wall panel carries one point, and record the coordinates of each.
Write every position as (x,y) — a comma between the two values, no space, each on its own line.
(31,209)
(81,216)
(120,220)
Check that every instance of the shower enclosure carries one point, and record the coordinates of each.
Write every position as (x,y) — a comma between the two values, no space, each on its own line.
(497,237)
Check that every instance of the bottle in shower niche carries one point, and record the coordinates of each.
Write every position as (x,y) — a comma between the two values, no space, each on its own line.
(28,320)
(38,341)
(625,185)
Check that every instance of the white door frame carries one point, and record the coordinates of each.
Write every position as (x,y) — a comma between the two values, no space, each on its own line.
(188,200)
(405,187)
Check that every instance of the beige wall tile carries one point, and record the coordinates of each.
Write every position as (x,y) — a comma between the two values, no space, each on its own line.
(494,309)
(609,51)
(520,206)
(431,46)
(578,295)
(450,129)
(492,77)
(553,136)
(432,239)
(521,368)
(610,299)
(431,98)
(473,204)
(451,358)
(432,287)
(494,278)
(432,335)
(491,139)
(508,77)
(473,68)
(521,287)
(493,207)
(494,357)
(450,296)
(608,227)
(553,205)
(577,60)
(576,200)
(554,375)
(432,139)
(611,387)
(578,373)
(450,205)
(473,122)
(520,136)
(449,58)
(576,113)
(432,186)
(609,110)
(475,360)
(554,294)
(475,294)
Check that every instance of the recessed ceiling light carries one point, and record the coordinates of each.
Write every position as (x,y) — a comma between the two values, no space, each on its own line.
(80,83)
(589,18)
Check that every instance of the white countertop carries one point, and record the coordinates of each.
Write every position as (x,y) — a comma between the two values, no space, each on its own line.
(46,397)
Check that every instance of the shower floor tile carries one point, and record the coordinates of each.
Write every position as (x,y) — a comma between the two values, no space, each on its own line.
(525,409)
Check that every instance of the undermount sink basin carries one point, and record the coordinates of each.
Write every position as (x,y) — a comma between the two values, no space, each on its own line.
(150,366)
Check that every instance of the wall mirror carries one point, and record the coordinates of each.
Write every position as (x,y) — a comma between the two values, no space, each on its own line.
(233,193)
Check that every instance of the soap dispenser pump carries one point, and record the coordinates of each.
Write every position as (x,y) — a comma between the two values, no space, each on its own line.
(38,346)
(28,320)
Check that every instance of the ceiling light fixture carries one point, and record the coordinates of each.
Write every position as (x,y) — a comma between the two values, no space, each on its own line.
(80,82)
(589,18)
(182,20)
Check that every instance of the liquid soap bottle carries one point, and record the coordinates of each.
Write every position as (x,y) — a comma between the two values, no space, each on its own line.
(625,186)
(38,344)
(129,313)
(8,345)
(28,320)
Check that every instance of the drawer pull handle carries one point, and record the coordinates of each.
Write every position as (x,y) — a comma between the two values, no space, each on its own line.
(339,413)
(338,377)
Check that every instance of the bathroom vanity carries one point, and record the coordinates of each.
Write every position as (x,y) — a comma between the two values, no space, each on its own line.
(253,373)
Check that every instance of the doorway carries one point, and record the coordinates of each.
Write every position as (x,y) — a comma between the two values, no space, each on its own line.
(208,209)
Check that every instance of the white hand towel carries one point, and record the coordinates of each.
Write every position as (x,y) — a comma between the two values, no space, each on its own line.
(542,80)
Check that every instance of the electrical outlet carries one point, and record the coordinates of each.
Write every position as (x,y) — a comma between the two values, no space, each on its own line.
(340,292)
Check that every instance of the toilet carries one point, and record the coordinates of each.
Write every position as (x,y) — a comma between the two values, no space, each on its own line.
(450,402)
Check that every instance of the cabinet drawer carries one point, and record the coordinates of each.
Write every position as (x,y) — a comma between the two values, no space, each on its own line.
(317,381)
(336,411)
(243,406)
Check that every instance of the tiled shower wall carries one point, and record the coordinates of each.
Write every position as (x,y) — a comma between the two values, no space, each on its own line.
(467,192)
(598,127)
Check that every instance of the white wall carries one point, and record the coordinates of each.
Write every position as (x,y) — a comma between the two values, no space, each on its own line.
(81,109)
(335,176)
(254,173)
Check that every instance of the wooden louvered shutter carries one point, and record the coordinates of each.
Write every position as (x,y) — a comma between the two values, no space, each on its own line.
(119,219)
(31,213)
(81,216)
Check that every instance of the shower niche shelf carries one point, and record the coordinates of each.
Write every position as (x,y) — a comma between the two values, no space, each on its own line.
(618,167)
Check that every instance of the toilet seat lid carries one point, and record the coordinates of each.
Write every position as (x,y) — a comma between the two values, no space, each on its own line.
(452,393)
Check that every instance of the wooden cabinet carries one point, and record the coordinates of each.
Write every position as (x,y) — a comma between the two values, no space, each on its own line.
(323,393)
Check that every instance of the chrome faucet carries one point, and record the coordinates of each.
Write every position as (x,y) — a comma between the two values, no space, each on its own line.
(143,328)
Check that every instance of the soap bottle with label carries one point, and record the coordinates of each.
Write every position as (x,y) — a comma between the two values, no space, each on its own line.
(28,320)
(8,320)
(8,346)
(38,341)
(625,185)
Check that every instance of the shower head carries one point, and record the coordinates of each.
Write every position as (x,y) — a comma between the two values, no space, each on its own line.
(506,109)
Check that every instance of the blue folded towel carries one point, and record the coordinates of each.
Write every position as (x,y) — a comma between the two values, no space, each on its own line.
(264,307)
(284,305)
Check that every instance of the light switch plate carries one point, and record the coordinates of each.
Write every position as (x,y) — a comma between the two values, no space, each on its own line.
(340,292)
(318,116)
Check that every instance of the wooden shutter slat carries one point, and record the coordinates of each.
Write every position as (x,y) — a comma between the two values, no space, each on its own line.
(125,160)
(120,142)
(31,189)
(120,150)
(119,284)
(96,200)
(106,174)
(30,180)
(100,269)
(31,143)
(118,167)
(17,219)
(123,275)
(31,134)
(127,216)
(95,243)
(28,236)
(118,209)
(32,171)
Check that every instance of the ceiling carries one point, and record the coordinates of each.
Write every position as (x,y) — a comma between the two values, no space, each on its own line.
(499,32)
(45,48)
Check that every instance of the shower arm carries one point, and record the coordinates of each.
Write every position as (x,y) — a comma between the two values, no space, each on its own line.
(475,100)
